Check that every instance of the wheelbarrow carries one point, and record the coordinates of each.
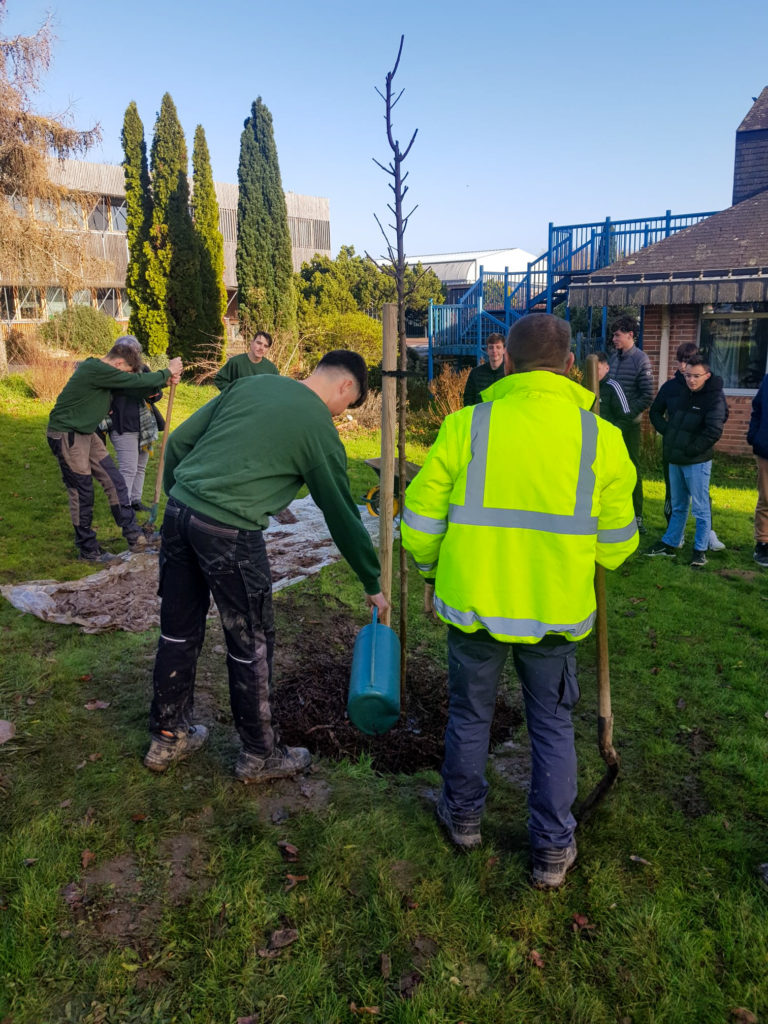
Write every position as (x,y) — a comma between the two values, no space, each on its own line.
(372,496)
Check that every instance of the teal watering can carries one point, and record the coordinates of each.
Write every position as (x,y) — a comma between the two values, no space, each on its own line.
(373,705)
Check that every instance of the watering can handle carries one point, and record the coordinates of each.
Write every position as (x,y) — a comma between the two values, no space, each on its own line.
(375,614)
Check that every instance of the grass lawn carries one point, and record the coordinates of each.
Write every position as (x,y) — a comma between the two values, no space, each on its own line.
(126,897)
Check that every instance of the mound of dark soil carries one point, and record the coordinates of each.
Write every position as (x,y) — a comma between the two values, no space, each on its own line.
(310,698)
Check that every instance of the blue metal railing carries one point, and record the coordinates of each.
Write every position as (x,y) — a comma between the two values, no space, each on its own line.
(573,249)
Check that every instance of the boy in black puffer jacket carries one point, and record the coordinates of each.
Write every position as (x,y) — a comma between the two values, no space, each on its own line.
(690,421)
(757,436)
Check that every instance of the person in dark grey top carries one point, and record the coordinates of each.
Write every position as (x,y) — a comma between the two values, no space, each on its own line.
(631,367)
(485,374)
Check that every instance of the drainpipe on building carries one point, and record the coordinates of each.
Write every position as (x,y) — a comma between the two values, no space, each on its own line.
(664,346)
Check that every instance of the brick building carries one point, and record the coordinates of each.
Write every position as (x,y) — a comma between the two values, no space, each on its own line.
(707,284)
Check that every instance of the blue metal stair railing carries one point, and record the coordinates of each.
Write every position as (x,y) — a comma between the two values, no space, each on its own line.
(572,250)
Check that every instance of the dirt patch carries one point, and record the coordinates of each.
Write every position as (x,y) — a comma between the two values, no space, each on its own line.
(185,856)
(310,698)
(738,574)
(284,798)
(689,792)
(697,741)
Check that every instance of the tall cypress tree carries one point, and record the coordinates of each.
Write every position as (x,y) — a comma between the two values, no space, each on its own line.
(138,200)
(211,251)
(266,293)
(172,255)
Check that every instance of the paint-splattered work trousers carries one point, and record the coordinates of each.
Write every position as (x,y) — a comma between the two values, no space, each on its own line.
(82,457)
(201,557)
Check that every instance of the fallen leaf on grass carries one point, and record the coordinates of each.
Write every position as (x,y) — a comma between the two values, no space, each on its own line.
(249,1020)
(97,705)
(637,600)
(291,881)
(72,894)
(743,1015)
(536,959)
(89,816)
(492,862)
(373,1010)
(81,765)
(29,861)
(655,670)
(138,817)
(94,757)
(87,857)
(639,860)
(86,678)
(581,921)
(7,730)
(726,825)
(681,704)
(278,941)
(31,702)
(65,803)
(386,966)
(288,850)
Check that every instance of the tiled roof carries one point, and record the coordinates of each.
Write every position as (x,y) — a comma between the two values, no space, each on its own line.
(757,117)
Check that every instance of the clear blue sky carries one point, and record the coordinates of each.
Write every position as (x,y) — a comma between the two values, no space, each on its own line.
(526,112)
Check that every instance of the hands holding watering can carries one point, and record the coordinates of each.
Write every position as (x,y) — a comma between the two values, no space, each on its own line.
(377,601)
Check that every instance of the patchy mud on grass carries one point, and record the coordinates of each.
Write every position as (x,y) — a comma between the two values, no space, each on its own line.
(310,697)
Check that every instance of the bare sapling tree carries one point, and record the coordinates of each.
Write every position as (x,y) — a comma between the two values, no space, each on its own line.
(34,251)
(396,269)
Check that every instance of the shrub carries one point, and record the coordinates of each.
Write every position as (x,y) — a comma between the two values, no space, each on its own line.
(47,374)
(355,331)
(447,391)
(82,330)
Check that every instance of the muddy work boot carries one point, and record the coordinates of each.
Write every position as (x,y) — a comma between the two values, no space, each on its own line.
(96,555)
(282,762)
(551,865)
(168,746)
(464,834)
(137,542)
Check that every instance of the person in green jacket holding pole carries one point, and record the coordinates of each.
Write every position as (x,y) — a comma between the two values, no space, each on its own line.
(80,451)
(235,462)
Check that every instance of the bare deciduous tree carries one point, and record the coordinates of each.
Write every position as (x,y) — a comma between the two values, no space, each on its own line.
(396,268)
(33,248)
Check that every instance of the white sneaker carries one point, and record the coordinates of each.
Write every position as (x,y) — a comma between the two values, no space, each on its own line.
(715,544)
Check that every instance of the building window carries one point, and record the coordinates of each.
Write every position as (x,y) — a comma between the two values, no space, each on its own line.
(734,340)
(46,209)
(98,218)
(71,213)
(106,301)
(125,305)
(29,304)
(119,215)
(55,300)
(82,297)
(7,304)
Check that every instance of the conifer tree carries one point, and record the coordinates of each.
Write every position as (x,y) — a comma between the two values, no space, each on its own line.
(266,293)
(138,200)
(172,257)
(210,244)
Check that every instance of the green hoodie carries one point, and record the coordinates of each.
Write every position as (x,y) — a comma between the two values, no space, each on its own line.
(87,395)
(242,366)
(245,455)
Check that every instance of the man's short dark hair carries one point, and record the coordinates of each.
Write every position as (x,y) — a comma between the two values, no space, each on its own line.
(539,341)
(625,324)
(687,351)
(129,353)
(602,357)
(264,334)
(492,339)
(699,360)
(352,363)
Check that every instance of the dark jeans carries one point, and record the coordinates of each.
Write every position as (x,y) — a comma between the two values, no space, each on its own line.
(631,433)
(547,672)
(82,457)
(199,557)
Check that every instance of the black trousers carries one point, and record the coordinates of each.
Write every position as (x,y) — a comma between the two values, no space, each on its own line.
(201,557)
(631,434)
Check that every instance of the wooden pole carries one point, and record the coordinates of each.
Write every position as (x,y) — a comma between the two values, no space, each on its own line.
(387,467)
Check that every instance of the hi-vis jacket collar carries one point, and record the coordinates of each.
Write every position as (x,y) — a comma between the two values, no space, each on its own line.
(543,381)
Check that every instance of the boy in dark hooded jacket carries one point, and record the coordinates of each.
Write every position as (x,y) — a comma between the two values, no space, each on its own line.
(757,436)
(691,422)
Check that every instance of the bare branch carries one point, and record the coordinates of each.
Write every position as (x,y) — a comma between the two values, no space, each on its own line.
(413,139)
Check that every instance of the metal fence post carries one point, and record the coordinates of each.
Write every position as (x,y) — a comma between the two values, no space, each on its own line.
(430,337)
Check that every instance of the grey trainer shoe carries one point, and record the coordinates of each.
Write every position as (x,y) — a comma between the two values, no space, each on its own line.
(464,834)
(282,762)
(167,747)
(715,544)
(551,865)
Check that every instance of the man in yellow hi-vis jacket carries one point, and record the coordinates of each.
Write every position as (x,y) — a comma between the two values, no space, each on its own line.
(517,500)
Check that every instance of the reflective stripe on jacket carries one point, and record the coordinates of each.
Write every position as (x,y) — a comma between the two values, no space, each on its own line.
(517,500)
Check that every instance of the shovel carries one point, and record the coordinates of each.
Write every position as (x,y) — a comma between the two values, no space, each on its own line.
(604,713)
(150,524)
